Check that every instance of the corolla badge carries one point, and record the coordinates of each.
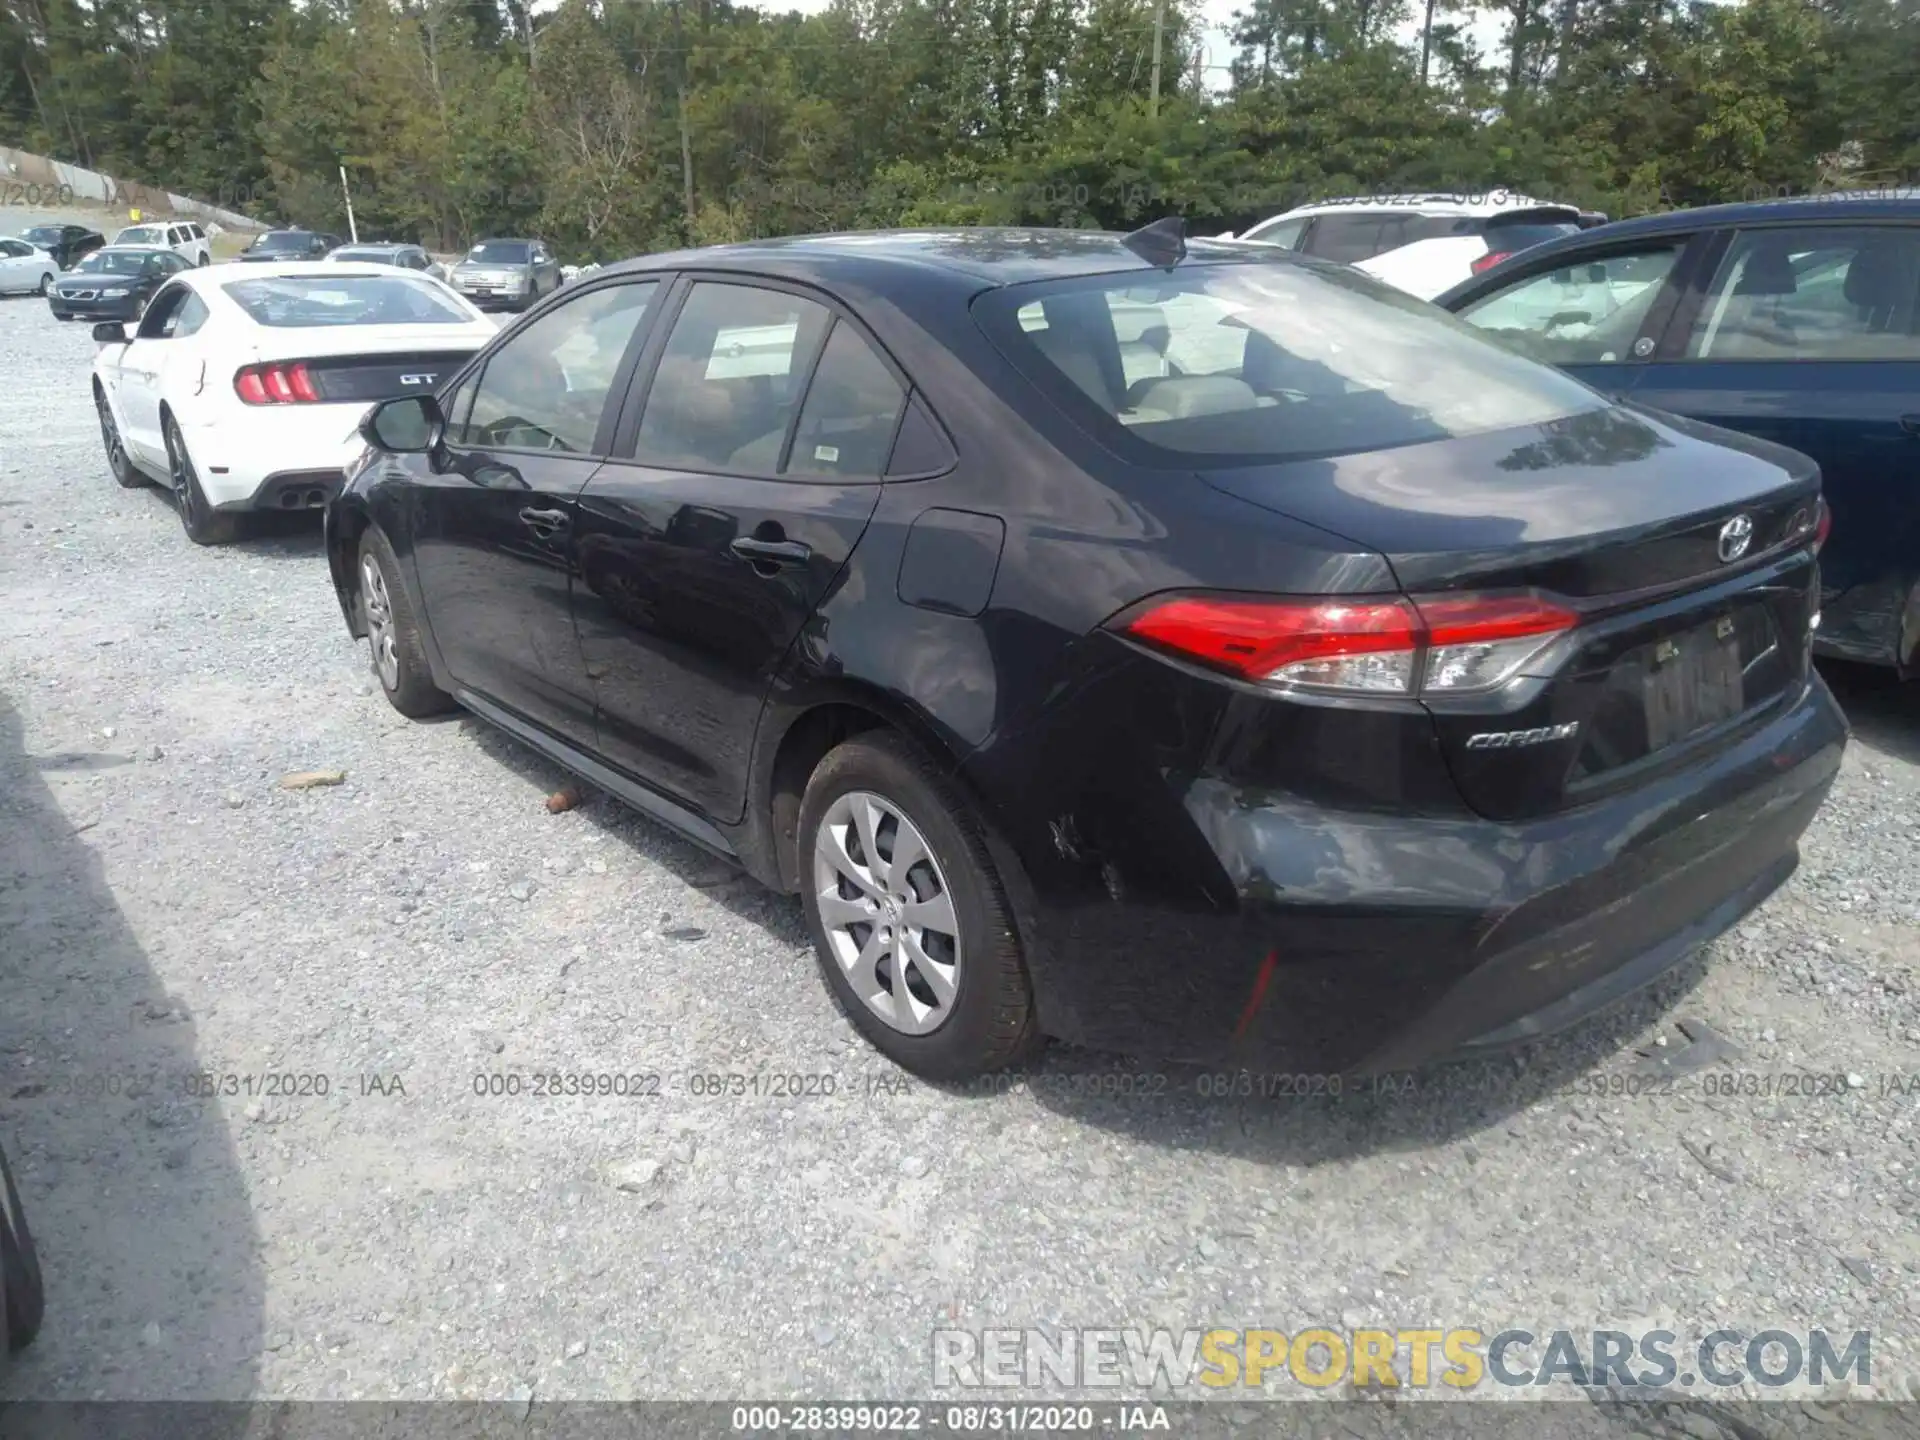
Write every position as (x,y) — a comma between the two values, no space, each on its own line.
(1512,739)
(1735,536)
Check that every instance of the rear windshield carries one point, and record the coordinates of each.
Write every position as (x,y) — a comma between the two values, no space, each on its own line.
(283,240)
(298,300)
(372,257)
(501,252)
(142,235)
(115,263)
(1266,361)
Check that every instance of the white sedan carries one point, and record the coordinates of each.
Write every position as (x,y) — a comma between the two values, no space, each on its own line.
(25,267)
(241,387)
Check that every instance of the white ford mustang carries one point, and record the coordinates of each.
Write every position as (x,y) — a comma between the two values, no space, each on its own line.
(240,388)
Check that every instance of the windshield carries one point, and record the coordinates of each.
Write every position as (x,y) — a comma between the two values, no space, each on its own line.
(110,263)
(1261,362)
(42,235)
(288,301)
(501,252)
(142,235)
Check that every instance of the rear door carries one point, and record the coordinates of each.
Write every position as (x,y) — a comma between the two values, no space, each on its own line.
(1809,335)
(1595,312)
(746,472)
(494,519)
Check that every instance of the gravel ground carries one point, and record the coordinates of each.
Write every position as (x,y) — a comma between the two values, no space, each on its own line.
(165,906)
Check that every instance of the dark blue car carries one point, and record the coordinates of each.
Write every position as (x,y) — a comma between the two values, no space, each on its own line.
(1794,320)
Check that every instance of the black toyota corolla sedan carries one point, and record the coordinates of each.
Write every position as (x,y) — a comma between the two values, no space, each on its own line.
(1163,646)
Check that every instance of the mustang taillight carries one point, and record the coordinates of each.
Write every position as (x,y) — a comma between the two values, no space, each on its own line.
(275,384)
(1363,645)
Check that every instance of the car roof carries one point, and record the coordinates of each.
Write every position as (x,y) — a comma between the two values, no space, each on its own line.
(979,258)
(1838,206)
(1493,202)
(133,250)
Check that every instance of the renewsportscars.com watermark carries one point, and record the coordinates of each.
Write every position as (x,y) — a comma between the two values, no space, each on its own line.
(1139,1361)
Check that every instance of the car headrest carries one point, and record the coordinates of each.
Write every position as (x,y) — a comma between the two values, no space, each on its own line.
(1768,271)
(1185,396)
(1881,277)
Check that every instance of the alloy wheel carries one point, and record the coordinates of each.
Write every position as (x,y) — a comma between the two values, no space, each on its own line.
(887,912)
(378,608)
(180,474)
(110,435)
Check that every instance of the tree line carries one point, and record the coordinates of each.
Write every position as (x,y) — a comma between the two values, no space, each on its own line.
(620,126)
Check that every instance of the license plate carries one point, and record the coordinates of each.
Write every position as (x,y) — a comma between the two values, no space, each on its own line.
(1696,680)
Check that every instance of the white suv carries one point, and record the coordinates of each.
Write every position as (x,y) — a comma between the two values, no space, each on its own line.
(1422,244)
(183,237)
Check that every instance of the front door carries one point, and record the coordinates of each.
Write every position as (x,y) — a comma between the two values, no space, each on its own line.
(709,543)
(493,533)
(161,359)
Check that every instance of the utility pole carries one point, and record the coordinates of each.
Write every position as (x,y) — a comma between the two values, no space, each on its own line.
(347,195)
(1159,20)
(1426,44)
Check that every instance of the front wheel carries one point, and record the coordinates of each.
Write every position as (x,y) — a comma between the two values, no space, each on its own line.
(910,924)
(204,260)
(204,525)
(22,1295)
(393,633)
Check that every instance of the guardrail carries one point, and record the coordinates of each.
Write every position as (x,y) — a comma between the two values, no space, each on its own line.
(36,180)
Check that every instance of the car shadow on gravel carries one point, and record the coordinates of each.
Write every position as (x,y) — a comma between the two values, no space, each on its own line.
(1883,709)
(133,1188)
(265,535)
(721,880)
(1305,1121)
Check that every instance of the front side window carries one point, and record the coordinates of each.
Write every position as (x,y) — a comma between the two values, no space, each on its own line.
(547,387)
(1267,361)
(1841,293)
(729,379)
(158,322)
(191,315)
(14,248)
(1585,313)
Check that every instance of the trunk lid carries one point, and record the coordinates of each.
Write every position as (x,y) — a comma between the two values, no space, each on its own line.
(1623,516)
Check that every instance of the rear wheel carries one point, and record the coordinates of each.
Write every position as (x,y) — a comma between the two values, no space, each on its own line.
(204,259)
(123,469)
(46,283)
(20,1285)
(393,633)
(204,525)
(909,920)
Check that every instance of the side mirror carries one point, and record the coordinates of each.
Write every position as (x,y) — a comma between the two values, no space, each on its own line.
(408,425)
(110,332)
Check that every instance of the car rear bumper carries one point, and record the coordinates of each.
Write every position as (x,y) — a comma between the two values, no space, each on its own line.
(257,458)
(1362,942)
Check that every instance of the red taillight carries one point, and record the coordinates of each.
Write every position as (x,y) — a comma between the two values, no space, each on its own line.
(276,384)
(1823,526)
(1489,260)
(1438,644)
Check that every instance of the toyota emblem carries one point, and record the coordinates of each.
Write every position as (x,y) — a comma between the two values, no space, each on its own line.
(1735,536)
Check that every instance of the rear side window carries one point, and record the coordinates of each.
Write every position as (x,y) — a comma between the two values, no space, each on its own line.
(729,379)
(1352,238)
(1251,362)
(1814,294)
(850,413)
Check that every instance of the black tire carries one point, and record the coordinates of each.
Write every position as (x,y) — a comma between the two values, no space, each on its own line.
(124,471)
(20,1283)
(203,260)
(409,688)
(990,1024)
(204,525)
(46,283)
